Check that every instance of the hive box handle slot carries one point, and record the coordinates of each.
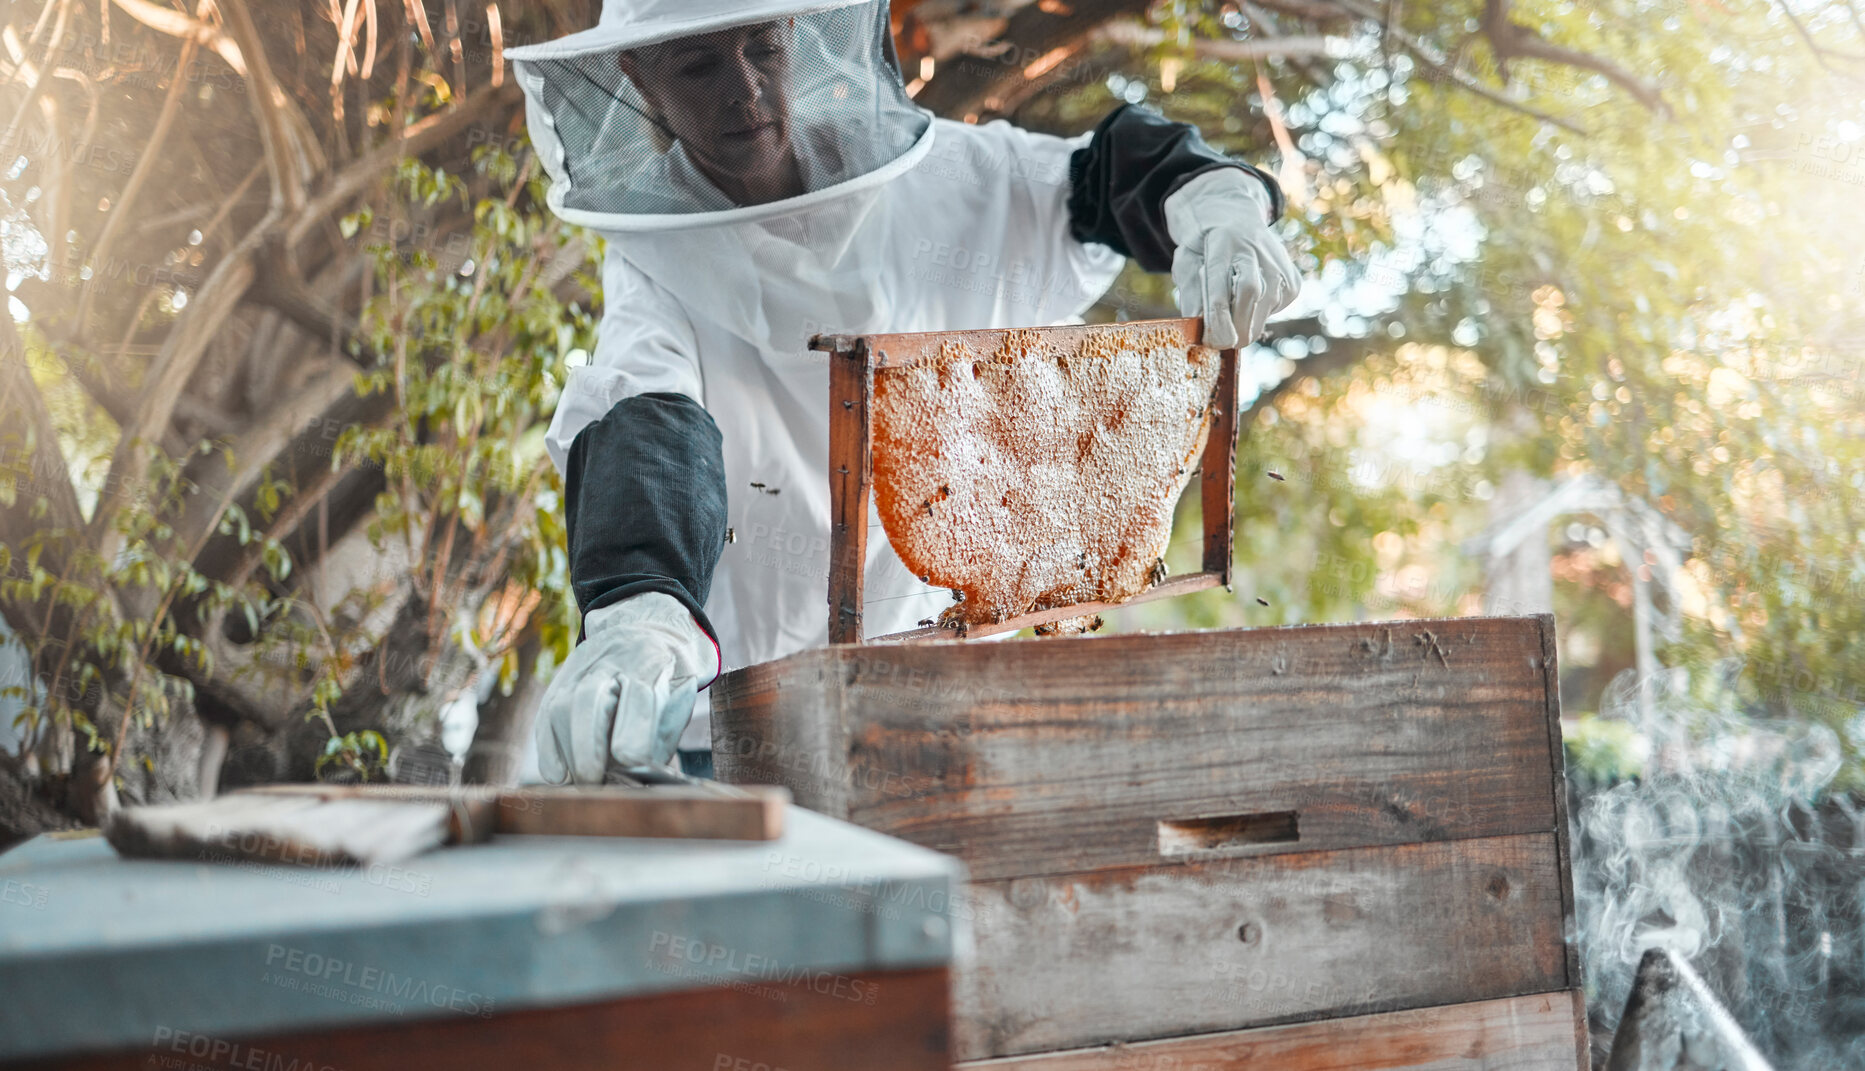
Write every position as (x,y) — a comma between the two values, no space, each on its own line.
(1227,832)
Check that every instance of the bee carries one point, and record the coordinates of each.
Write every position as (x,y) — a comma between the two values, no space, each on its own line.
(1157,574)
(1276,476)
(953,617)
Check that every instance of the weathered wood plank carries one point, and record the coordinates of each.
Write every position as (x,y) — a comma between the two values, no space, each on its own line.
(851,386)
(805,1023)
(1557,761)
(1068,755)
(1071,961)
(297,830)
(704,811)
(898,351)
(1218,472)
(654,812)
(782,725)
(1527,1033)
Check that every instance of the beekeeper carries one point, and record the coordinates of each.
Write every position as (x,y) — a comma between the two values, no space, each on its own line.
(760,175)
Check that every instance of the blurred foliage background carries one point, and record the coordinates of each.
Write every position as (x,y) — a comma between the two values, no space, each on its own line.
(1635,301)
(1583,332)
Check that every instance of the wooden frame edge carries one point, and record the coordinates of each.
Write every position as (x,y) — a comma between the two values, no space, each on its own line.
(1219,472)
(1234,1047)
(1557,762)
(853,360)
(851,387)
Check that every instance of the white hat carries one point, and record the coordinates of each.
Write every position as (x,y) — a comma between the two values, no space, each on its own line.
(632,23)
(682,113)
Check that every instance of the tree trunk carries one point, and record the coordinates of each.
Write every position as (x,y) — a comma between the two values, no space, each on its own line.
(505,723)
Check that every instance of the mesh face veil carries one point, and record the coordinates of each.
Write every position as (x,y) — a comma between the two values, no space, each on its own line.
(677,113)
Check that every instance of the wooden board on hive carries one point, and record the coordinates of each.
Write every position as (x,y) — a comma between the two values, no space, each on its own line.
(1527,1033)
(1069,755)
(1212,946)
(1245,842)
(1381,803)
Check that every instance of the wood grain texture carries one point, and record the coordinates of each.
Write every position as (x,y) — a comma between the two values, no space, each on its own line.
(653,812)
(472,811)
(856,361)
(295,830)
(1526,1033)
(698,812)
(897,351)
(775,1025)
(783,726)
(1070,961)
(1218,472)
(1061,756)
(1557,758)
(851,387)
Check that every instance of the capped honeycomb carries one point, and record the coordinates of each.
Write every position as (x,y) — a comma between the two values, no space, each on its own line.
(1043,474)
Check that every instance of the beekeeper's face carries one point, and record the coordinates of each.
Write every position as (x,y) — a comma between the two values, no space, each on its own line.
(723,95)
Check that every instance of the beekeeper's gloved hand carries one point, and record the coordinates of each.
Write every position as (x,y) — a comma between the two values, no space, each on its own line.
(622,697)
(1229,266)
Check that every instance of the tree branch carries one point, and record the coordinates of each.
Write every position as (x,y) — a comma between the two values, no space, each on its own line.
(174,364)
(1136,35)
(1315,11)
(232,281)
(968,85)
(269,103)
(145,164)
(1820,52)
(419,137)
(121,409)
(1341,354)
(41,77)
(24,410)
(1509,40)
(1431,58)
(176,24)
(282,290)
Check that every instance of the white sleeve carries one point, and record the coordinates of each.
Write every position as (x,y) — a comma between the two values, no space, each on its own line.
(644,344)
(1074,273)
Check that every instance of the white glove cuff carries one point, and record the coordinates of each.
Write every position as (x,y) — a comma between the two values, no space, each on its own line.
(695,653)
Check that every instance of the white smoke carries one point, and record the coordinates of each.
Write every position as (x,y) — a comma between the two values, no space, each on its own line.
(1730,851)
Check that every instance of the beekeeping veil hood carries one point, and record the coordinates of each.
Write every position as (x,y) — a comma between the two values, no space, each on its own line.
(722,145)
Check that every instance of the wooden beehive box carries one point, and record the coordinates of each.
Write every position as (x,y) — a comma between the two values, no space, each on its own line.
(1337,846)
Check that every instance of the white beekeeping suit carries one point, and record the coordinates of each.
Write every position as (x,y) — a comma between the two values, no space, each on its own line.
(760,176)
